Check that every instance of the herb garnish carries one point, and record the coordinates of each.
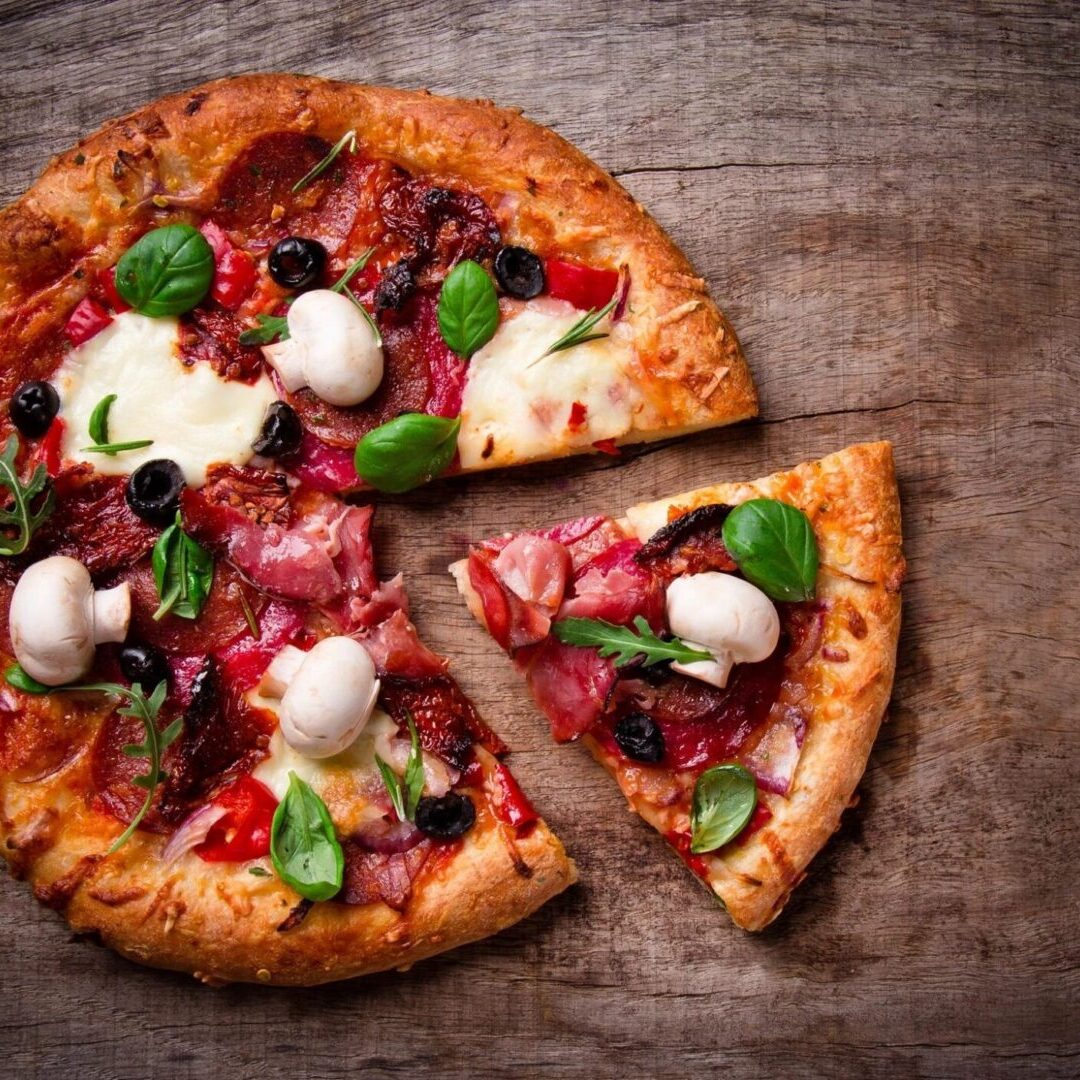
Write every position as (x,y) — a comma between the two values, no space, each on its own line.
(349,137)
(468,308)
(624,644)
(774,546)
(183,573)
(405,794)
(724,800)
(116,447)
(581,331)
(19,513)
(99,420)
(303,847)
(167,271)
(407,451)
(17,677)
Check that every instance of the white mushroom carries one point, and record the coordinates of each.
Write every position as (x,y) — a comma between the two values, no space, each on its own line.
(331,347)
(57,619)
(327,694)
(724,615)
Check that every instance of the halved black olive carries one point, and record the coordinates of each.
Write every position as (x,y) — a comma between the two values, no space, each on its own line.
(447,817)
(153,491)
(639,737)
(143,664)
(297,262)
(34,407)
(281,432)
(519,272)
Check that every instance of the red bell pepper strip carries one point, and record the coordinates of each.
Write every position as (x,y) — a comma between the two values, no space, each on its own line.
(106,277)
(234,270)
(583,286)
(244,831)
(88,318)
(48,451)
(512,806)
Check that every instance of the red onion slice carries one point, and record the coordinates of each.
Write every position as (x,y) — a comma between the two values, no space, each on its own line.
(192,831)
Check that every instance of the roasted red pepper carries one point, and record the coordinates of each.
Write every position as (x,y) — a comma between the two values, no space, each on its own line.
(606,446)
(106,277)
(88,318)
(244,831)
(512,807)
(578,414)
(48,451)
(583,286)
(234,270)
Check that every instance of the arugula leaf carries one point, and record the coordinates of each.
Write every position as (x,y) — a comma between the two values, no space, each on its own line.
(167,271)
(183,573)
(19,513)
(270,327)
(624,644)
(303,846)
(405,794)
(724,800)
(774,546)
(349,137)
(117,447)
(99,420)
(468,308)
(581,331)
(407,451)
(152,747)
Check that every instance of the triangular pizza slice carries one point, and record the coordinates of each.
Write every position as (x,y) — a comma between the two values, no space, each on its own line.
(727,655)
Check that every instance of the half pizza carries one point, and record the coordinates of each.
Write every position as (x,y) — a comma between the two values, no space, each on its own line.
(726,654)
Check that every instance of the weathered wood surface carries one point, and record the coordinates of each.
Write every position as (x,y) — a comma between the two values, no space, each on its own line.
(884,198)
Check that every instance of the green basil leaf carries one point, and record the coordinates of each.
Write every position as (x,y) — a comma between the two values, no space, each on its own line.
(99,419)
(468,308)
(166,272)
(18,678)
(183,572)
(414,772)
(774,546)
(303,847)
(393,788)
(724,800)
(407,451)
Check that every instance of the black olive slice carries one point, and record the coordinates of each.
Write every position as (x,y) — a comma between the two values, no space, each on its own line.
(639,737)
(519,272)
(153,491)
(447,817)
(297,262)
(34,407)
(143,664)
(281,432)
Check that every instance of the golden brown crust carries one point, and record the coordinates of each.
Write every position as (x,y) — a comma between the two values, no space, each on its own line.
(221,923)
(167,158)
(852,500)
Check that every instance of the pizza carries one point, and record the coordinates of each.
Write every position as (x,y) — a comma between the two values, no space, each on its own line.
(727,654)
(224,748)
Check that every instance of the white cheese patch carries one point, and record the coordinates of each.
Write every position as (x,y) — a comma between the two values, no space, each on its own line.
(194,417)
(345,782)
(517,402)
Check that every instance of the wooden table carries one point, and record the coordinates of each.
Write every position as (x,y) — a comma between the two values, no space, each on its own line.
(884,199)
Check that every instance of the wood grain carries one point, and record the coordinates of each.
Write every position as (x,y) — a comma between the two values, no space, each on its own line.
(883,197)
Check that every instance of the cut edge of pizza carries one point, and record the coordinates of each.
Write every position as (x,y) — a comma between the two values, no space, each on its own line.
(586,328)
(745,758)
(321,800)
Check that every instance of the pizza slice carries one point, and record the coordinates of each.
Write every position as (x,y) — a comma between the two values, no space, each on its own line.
(726,654)
(224,748)
(427,284)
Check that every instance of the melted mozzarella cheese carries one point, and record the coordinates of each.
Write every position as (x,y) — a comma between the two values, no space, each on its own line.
(194,417)
(346,782)
(517,402)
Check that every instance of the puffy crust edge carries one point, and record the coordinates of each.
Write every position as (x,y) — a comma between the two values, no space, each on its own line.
(91,201)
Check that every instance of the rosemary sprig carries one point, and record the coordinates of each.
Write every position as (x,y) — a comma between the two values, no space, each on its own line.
(116,447)
(350,138)
(20,513)
(581,331)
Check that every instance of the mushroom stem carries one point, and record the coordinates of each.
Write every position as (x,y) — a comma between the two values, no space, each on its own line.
(112,613)
(282,671)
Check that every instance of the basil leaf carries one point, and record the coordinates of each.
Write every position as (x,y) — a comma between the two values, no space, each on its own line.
(468,308)
(414,772)
(99,420)
(393,788)
(623,643)
(407,451)
(183,573)
(166,272)
(774,546)
(724,800)
(17,677)
(19,514)
(303,848)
